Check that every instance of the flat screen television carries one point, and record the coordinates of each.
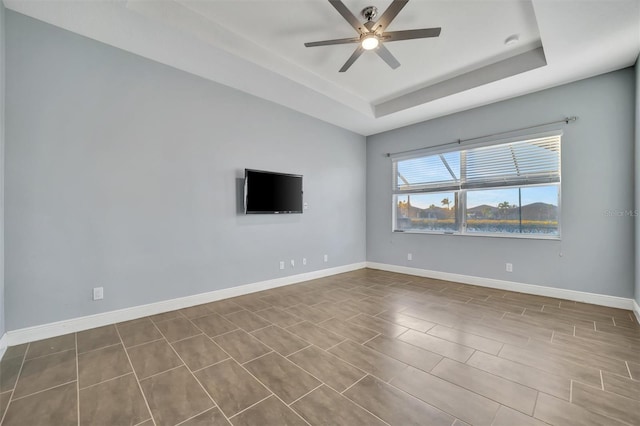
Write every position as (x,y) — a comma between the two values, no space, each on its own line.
(272,193)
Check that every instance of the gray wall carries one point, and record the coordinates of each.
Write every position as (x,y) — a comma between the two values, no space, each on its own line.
(2,91)
(637,183)
(597,169)
(122,173)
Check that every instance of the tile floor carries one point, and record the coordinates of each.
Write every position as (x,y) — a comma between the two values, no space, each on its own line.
(361,348)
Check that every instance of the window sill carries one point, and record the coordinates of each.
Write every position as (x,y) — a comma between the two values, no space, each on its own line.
(468,234)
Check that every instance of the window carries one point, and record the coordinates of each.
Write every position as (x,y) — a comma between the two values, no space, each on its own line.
(508,189)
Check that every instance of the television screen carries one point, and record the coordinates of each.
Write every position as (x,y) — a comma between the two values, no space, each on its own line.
(269,192)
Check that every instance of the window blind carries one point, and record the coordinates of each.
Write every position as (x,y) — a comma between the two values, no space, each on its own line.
(528,162)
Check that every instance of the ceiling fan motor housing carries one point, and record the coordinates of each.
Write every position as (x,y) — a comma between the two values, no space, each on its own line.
(369,12)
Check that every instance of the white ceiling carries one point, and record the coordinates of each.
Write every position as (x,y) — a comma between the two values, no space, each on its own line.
(472,32)
(257,47)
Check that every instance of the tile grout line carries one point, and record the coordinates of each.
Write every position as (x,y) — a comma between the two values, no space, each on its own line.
(15,385)
(461,387)
(49,354)
(108,380)
(374,337)
(252,405)
(135,375)
(215,404)
(535,404)
(355,366)
(258,329)
(299,350)
(570,390)
(270,325)
(273,323)
(602,380)
(75,335)
(302,396)
(144,343)
(494,374)
(222,349)
(188,337)
(322,382)
(484,371)
(365,409)
(42,390)
(258,357)
(351,317)
(268,389)
(189,370)
(380,333)
(355,383)
(333,346)
(222,334)
(493,419)
(210,365)
(161,372)
(98,349)
(200,316)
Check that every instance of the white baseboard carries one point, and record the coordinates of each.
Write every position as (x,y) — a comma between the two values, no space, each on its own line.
(3,345)
(636,310)
(30,334)
(44,331)
(560,293)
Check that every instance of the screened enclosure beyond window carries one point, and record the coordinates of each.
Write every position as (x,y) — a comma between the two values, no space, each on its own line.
(508,189)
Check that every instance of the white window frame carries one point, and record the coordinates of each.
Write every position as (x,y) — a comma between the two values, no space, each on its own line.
(461,205)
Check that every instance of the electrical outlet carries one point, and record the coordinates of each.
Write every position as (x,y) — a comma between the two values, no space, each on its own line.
(409,256)
(304,260)
(326,257)
(509,267)
(282,264)
(293,263)
(98,293)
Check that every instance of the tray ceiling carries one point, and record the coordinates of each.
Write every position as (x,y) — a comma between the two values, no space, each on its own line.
(257,47)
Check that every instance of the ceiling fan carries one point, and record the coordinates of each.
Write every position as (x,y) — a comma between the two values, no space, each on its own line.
(372,35)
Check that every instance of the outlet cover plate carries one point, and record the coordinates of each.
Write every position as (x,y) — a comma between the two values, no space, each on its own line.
(98,293)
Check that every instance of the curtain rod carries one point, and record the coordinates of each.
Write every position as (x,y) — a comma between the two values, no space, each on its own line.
(566,120)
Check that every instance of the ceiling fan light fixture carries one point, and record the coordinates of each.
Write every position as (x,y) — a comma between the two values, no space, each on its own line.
(370,42)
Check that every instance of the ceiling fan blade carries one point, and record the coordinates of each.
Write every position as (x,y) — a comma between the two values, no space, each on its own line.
(350,17)
(336,41)
(356,54)
(386,56)
(392,11)
(411,34)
